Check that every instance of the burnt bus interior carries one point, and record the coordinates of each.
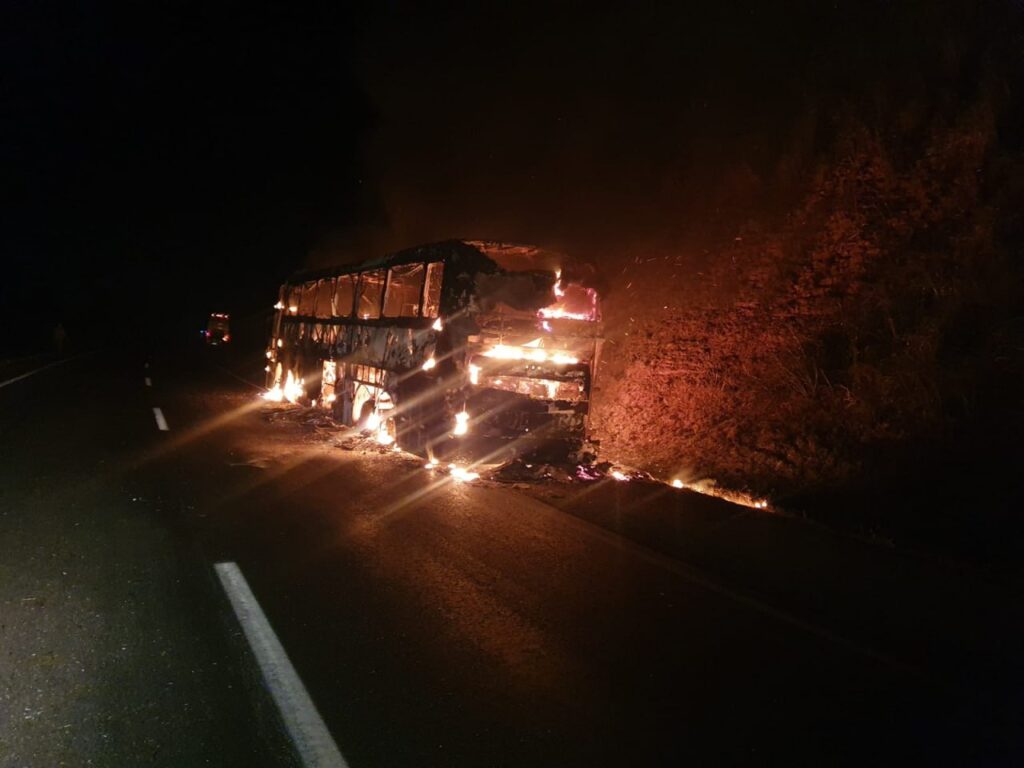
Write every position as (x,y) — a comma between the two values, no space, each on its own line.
(461,348)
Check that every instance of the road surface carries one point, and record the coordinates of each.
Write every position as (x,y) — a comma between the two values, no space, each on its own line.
(437,623)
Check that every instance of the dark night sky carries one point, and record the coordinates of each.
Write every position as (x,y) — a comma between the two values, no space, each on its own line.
(177,158)
(169,160)
(597,126)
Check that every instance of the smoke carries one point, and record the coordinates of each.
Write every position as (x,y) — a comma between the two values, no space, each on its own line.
(607,132)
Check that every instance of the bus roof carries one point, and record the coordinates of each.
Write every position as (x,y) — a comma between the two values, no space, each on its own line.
(508,256)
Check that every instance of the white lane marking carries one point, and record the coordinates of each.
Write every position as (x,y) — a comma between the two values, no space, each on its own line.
(149,382)
(161,422)
(41,368)
(309,734)
(23,376)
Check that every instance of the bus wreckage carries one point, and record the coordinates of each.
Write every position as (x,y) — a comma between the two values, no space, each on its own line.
(441,346)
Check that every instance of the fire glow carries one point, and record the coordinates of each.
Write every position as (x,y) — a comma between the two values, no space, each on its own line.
(379,427)
(292,390)
(576,303)
(530,352)
(461,423)
(562,314)
(462,475)
(710,489)
(457,473)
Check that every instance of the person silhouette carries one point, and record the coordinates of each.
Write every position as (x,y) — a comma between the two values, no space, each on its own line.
(59,337)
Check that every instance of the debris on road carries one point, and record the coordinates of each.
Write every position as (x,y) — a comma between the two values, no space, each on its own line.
(552,465)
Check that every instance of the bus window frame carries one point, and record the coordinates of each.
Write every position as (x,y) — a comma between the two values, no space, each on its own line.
(353,280)
(324,284)
(436,309)
(307,298)
(358,299)
(390,283)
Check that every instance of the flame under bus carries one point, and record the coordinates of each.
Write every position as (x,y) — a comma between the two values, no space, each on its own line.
(443,345)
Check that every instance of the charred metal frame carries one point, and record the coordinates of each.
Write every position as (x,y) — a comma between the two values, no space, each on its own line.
(472,315)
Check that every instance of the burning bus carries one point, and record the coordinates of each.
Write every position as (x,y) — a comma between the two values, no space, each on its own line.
(442,345)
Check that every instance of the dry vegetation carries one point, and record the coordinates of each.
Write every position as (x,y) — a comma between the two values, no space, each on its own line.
(880,316)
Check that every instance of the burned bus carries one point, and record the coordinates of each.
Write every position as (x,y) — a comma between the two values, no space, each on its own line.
(443,345)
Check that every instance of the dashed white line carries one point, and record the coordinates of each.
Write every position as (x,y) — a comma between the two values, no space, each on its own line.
(149,382)
(161,422)
(305,727)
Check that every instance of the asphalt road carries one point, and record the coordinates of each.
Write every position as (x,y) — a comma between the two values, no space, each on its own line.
(459,625)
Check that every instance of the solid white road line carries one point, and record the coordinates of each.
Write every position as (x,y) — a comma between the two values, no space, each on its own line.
(161,422)
(312,740)
(23,376)
(149,382)
(37,370)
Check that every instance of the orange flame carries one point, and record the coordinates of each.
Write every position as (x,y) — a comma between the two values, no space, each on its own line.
(530,352)
(292,390)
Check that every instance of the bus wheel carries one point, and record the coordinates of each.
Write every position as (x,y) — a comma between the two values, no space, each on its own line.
(409,432)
